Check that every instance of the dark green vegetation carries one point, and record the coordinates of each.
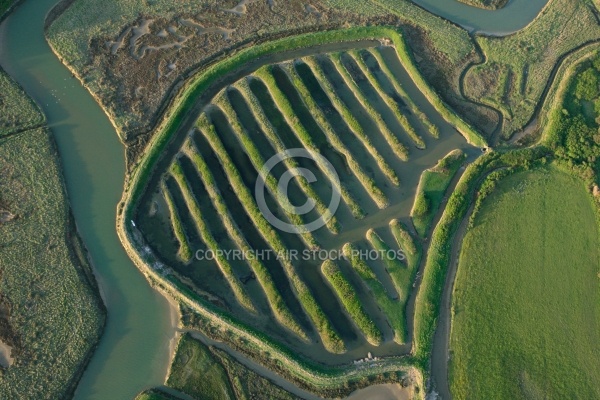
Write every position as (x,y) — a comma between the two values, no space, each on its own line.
(17,111)
(488,4)
(432,189)
(155,394)
(526,306)
(302,103)
(205,372)
(51,315)
(573,131)
(5,5)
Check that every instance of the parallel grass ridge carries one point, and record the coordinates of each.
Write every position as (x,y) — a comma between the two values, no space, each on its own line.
(185,252)
(302,134)
(203,229)
(389,101)
(367,182)
(347,295)
(258,162)
(400,149)
(270,133)
(392,308)
(431,127)
(351,120)
(329,336)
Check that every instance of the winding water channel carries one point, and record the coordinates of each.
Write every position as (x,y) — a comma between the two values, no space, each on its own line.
(134,350)
(516,15)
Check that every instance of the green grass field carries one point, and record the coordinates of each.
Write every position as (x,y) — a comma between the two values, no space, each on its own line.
(51,316)
(526,308)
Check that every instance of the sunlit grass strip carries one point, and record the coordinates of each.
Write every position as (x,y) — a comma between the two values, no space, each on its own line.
(302,134)
(431,127)
(397,271)
(366,181)
(350,120)
(257,160)
(392,308)
(265,125)
(406,242)
(207,237)
(347,295)
(400,149)
(276,302)
(185,252)
(327,333)
(388,100)
(431,190)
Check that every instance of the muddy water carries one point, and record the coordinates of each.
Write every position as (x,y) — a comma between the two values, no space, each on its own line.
(133,353)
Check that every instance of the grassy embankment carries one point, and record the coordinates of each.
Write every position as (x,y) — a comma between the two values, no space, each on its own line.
(314,69)
(19,112)
(52,314)
(367,182)
(525,60)
(329,336)
(535,236)
(393,264)
(407,244)
(310,374)
(431,190)
(428,301)
(205,372)
(347,295)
